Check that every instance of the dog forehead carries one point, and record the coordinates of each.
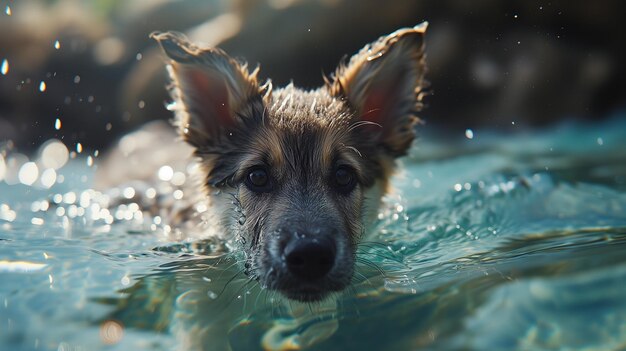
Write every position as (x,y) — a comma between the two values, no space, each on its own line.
(302,127)
(296,109)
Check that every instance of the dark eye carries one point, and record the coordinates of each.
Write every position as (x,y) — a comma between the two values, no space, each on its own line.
(344,179)
(258,180)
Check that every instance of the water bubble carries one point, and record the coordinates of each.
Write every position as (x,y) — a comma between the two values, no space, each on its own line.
(89,161)
(76,79)
(600,141)
(139,56)
(28,173)
(4,68)
(57,45)
(57,124)
(141,104)
(212,295)
(469,134)
(42,86)
(8,11)
(36,221)
(79,147)
(458,187)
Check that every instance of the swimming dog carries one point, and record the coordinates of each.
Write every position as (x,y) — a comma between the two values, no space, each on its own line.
(296,176)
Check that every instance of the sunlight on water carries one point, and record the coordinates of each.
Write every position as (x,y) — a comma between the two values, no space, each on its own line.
(478,248)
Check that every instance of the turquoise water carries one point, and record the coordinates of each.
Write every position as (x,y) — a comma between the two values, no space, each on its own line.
(496,241)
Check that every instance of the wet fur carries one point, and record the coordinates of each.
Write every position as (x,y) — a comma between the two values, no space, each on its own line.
(362,118)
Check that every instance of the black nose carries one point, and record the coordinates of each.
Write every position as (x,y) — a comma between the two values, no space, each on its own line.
(310,259)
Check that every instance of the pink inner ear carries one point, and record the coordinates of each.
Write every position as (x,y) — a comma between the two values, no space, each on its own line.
(210,99)
(378,108)
(374,106)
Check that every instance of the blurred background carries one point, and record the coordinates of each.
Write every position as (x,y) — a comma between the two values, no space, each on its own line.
(86,71)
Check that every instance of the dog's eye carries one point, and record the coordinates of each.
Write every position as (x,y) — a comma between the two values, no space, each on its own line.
(258,180)
(345,179)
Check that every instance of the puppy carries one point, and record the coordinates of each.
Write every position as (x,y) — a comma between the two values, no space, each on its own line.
(295,176)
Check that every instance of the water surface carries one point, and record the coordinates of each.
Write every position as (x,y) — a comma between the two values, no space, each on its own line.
(490,242)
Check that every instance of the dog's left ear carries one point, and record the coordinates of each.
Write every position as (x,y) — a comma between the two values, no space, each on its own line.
(383,84)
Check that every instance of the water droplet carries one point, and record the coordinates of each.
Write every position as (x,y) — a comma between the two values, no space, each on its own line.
(129,192)
(48,177)
(242,220)
(171,106)
(375,56)
(79,147)
(139,56)
(8,11)
(166,173)
(89,161)
(469,134)
(4,69)
(3,167)
(28,173)
(600,141)
(54,154)
(57,124)
(458,187)
(141,104)
(57,45)
(77,79)
(42,86)
(212,295)
(36,221)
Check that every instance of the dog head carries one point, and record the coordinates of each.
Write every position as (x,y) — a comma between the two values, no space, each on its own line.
(304,168)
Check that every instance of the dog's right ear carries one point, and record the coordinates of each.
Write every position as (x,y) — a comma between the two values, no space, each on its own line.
(213,92)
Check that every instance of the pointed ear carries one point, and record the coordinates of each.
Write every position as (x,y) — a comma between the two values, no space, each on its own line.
(213,92)
(383,84)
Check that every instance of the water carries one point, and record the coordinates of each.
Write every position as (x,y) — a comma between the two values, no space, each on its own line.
(489,242)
